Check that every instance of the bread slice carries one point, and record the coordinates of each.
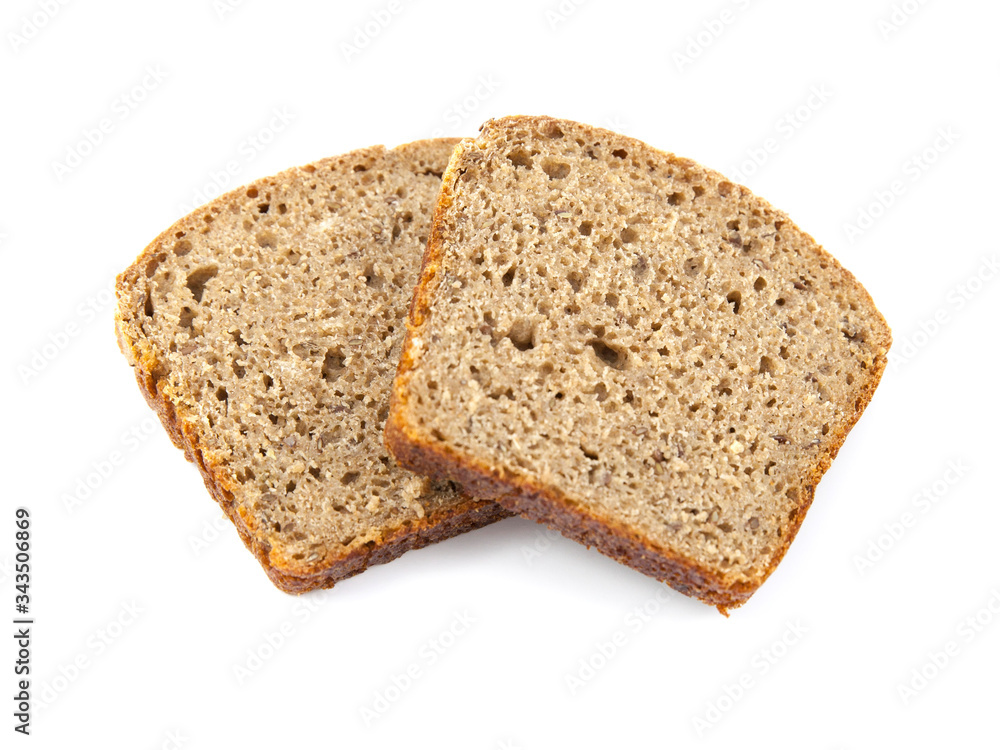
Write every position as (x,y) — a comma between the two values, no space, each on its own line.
(264,329)
(646,356)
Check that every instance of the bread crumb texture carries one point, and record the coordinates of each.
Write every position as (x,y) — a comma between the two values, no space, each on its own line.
(636,345)
(265,328)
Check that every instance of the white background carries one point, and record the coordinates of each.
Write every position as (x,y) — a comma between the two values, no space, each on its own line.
(146,536)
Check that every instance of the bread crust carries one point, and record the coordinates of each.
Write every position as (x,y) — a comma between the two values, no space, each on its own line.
(547,504)
(289,575)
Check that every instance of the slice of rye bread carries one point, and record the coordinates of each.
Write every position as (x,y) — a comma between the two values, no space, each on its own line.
(646,356)
(264,329)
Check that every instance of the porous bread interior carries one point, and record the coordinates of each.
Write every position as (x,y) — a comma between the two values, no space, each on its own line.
(636,335)
(274,317)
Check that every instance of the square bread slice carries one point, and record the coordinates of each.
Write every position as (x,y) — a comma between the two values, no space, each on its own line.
(264,329)
(647,357)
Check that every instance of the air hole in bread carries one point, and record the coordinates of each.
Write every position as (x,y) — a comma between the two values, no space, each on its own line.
(519,157)
(609,355)
(555,169)
(197,280)
(333,365)
(521,334)
(734,299)
(551,130)
(693,266)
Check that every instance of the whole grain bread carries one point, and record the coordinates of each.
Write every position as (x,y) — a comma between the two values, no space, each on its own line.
(264,329)
(644,355)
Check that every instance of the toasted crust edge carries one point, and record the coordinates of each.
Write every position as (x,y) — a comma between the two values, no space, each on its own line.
(292,578)
(551,507)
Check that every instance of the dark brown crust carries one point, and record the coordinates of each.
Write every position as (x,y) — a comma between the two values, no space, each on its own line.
(288,575)
(547,504)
